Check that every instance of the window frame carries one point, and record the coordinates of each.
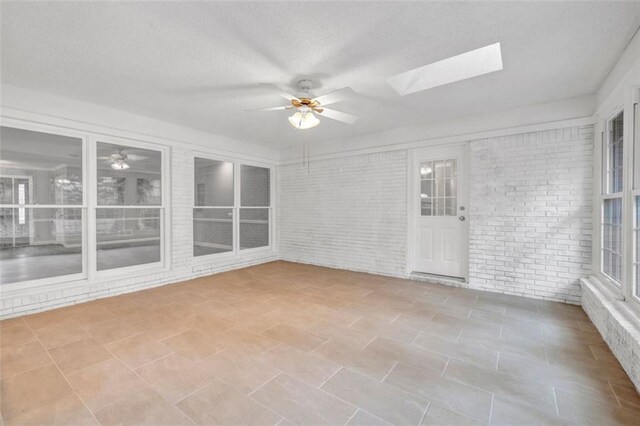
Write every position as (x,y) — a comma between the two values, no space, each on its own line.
(236,252)
(164,264)
(630,107)
(22,286)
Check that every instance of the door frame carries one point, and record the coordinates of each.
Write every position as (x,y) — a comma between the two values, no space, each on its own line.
(412,202)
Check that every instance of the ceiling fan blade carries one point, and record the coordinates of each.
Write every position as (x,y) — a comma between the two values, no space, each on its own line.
(281,91)
(272,108)
(136,157)
(335,96)
(337,115)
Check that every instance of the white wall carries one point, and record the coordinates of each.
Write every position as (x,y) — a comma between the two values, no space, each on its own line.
(530,212)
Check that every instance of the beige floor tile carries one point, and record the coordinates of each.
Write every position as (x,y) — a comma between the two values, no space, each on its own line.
(409,355)
(104,383)
(506,412)
(342,334)
(137,350)
(17,335)
(295,337)
(372,364)
(192,345)
(300,365)
(60,333)
(80,354)
(111,330)
(301,403)
(437,415)
(509,386)
(31,390)
(473,354)
(362,418)
(19,358)
(241,342)
(380,399)
(68,410)
(45,319)
(394,331)
(143,408)
(455,396)
(220,404)
(94,315)
(244,373)
(209,324)
(174,376)
(587,411)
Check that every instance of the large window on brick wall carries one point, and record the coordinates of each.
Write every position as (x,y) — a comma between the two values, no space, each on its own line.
(620,203)
(612,200)
(129,206)
(232,207)
(42,206)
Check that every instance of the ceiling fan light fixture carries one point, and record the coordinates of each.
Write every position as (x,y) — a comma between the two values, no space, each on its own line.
(303,120)
(120,165)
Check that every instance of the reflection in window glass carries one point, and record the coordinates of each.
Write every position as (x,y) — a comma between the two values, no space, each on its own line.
(128,176)
(40,169)
(255,184)
(613,156)
(212,231)
(39,243)
(213,183)
(127,237)
(254,228)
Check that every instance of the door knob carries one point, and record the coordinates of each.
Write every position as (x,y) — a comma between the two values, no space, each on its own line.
(462,218)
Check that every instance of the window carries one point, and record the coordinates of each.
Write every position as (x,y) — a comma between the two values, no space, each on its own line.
(438,190)
(636,201)
(224,222)
(612,202)
(129,206)
(213,221)
(255,212)
(42,205)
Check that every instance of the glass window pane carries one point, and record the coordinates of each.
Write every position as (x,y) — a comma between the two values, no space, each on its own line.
(40,168)
(426,170)
(254,228)
(127,237)
(213,183)
(612,239)
(128,176)
(636,230)
(254,186)
(614,161)
(39,243)
(212,231)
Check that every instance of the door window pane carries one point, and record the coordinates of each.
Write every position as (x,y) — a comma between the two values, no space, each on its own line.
(128,176)
(40,168)
(438,188)
(39,243)
(254,228)
(127,237)
(255,185)
(213,183)
(212,231)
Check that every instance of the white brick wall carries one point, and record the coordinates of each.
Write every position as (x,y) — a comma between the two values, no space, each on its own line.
(530,213)
(183,266)
(346,213)
(618,328)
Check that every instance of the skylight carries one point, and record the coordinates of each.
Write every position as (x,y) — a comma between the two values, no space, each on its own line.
(456,68)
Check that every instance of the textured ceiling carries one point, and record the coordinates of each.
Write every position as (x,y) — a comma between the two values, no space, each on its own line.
(199,63)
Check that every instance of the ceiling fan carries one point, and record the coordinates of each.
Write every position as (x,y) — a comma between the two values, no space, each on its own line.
(122,159)
(307,106)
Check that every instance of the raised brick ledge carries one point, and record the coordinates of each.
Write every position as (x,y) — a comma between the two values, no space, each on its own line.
(616,322)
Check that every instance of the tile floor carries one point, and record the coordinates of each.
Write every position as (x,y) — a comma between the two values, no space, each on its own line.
(285,343)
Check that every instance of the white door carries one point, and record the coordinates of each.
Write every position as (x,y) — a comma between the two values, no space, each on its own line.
(438,187)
